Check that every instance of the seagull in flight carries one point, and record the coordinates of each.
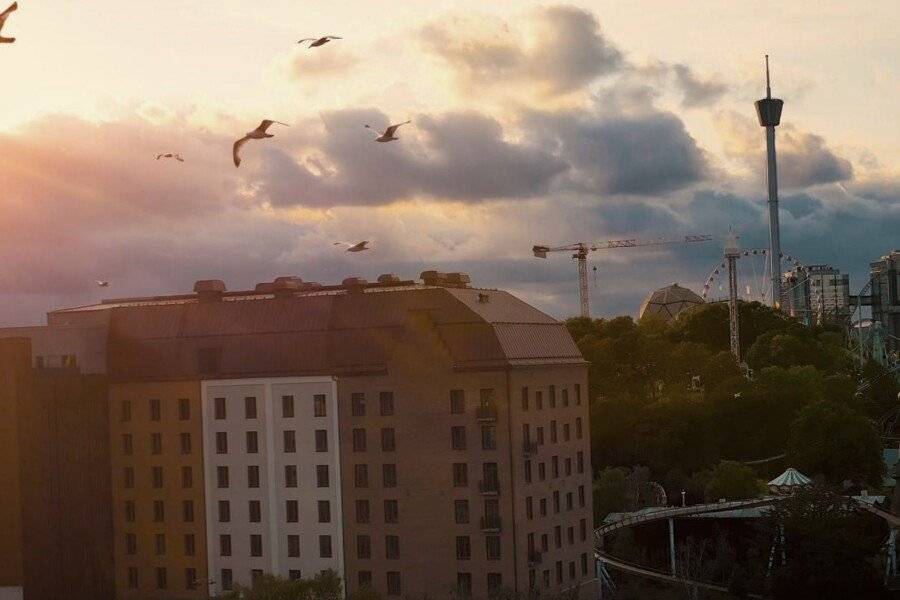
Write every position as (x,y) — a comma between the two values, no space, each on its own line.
(316,42)
(359,247)
(170,155)
(388,135)
(257,134)
(3,16)
(101,283)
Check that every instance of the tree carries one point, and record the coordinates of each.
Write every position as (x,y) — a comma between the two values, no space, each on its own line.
(840,444)
(732,481)
(324,586)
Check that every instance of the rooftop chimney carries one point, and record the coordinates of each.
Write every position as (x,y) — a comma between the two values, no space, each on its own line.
(454,280)
(209,290)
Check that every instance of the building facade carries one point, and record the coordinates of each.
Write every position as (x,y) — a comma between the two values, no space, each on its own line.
(417,438)
(817,294)
(885,278)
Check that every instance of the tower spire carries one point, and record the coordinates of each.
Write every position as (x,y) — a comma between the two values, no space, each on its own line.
(768,86)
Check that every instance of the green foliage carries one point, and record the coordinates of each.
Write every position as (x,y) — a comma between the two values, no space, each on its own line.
(324,586)
(365,593)
(732,481)
(610,492)
(831,440)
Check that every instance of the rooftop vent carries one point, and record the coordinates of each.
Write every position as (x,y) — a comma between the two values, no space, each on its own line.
(389,278)
(455,280)
(284,287)
(209,290)
(459,279)
(484,298)
(355,284)
(434,278)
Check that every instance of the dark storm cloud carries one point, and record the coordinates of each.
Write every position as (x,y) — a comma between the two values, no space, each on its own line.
(696,92)
(649,153)
(463,156)
(805,160)
(569,51)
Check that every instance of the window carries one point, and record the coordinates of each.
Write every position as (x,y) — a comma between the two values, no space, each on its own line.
(492,547)
(566,433)
(527,471)
(190,579)
(578,430)
(461,511)
(254,511)
(388,439)
(161,578)
(393,583)
(491,476)
(187,477)
(224,511)
(565,396)
(287,407)
(391,511)
(208,360)
(540,436)
(545,544)
(255,545)
(160,544)
(552,395)
(255,575)
(359,440)
(363,546)
(556,501)
(253,476)
(457,402)
(571,570)
(185,442)
(581,462)
(222,477)
(458,437)
(365,579)
(554,464)
(488,437)
(291,511)
(324,546)
(543,505)
(361,476)
(358,404)
(129,511)
(464,585)
(386,400)
(319,406)
(184,409)
(582,528)
(552,432)
(321,440)
(570,535)
(294,575)
(221,442)
(224,545)
(227,579)
(252,442)
(542,471)
(155,409)
(389,475)
(546,578)
(130,543)
(126,411)
(525,399)
(362,511)
(584,564)
(557,536)
(190,545)
(539,400)
(219,409)
(293,545)
(392,546)
(127,444)
(157,476)
(463,547)
(155,443)
(187,511)
(250,407)
(290,441)
(494,582)
(324,511)
(578,394)
(290,476)
(581,500)
(132,578)
(460,475)
(529,508)
(322,476)
(568,464)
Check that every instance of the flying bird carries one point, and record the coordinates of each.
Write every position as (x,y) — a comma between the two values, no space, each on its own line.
(170,155)
(316,42)
(102,283)
(257,134)
(3,16)
(388,135)
(359,247)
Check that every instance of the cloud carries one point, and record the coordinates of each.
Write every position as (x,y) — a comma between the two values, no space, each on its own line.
(563,51)
(333,62)
(696,92)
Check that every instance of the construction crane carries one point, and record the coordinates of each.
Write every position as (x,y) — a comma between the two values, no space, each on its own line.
(581,249)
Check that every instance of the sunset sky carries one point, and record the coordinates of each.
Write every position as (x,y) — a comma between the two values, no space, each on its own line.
(532,123)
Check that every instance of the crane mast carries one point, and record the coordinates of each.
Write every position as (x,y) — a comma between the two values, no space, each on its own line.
(581,250)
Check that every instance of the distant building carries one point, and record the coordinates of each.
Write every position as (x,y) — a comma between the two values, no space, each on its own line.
(885,278)
(419,438)
(669,301)
(816,294)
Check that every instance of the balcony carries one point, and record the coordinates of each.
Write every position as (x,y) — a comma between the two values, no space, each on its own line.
(534,558)
(490,523)
(489,487)
(530,448)
(486,412)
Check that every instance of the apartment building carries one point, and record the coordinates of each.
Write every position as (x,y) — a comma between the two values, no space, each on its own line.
(418,438)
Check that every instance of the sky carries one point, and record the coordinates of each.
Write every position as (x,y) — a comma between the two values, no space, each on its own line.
(532,123)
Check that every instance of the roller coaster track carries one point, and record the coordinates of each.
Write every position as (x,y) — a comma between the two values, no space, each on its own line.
(681,511)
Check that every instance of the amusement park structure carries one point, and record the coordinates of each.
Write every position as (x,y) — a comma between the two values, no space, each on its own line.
(769,112)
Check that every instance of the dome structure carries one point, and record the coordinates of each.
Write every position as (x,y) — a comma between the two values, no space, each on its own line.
(667,302)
